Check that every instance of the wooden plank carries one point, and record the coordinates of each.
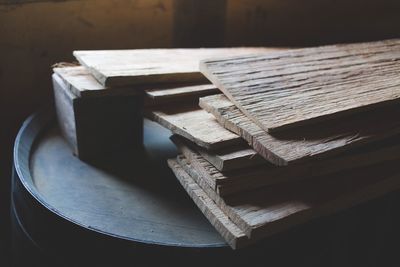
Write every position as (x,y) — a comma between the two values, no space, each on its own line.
(307,142)
(226,159)
(195,124)
(228,183)
(153,66)
(232,234)
(276,208)
(81,83)
(186,94)
(301,86)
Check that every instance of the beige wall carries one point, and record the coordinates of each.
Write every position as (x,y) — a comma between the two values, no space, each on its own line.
(35,35)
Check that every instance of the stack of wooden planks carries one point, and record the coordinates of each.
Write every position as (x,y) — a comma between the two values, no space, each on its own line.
(267,138)
(294,134)
(99,100)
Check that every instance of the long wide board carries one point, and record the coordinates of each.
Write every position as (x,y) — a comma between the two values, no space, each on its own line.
(264,212)
(310,141)
(295,87)
(153,66)
(237,181)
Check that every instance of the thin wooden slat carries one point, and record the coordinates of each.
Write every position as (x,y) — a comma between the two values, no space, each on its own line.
(183,94)
(295,87)
(227,183)
(226,159)
(152,66)
(307,142)
(195,124)
(273,209)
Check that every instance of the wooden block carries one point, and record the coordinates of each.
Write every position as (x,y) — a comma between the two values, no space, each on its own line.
(98,127)
(233,182)
(152,66)
(183,94)
(227,229)
(196,125)
(307,142)
(273,209)
(296,87)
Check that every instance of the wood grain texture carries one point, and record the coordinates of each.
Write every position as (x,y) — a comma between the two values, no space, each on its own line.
(82,84)
(273,209)
(195,124)
(232,234)
(152,66)
(238,181)
(300,86)
(181,93)
(226,159)
(307,142)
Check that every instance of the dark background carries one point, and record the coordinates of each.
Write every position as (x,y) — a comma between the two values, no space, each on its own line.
(36,34)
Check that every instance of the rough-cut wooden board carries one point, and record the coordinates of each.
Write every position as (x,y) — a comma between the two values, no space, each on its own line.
(227,183)
(226,159)
(153,66)
(307,142)
(196,125)
(273,209)
(184,94)
(232,234)
(82,84)
(295,87)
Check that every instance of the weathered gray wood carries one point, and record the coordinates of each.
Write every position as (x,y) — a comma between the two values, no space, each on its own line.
(226,159)
(227,183)
(182,94)
(273,209)
(307,142)
(296,87)
(233,235)
(152,66)
(81,83)
(196,125)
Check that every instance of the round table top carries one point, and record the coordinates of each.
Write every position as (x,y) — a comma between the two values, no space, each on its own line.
(135,198)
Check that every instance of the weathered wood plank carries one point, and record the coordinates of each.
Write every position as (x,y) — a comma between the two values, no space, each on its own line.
(232,234)
(307,142)
(226,159)
(232,182)
(296,87)
(152,66)
(273,209)
(82,84)
(181,93)
(195,124)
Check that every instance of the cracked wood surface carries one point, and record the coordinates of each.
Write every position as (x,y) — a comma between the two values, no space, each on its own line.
(291,88)
(310,141)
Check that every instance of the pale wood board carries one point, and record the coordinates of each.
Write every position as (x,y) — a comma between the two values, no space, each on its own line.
(153,66)
(226,159)
(295,87)
(307,142)
(82,84)
(196,125)
(228,183)
(181,93)
(276,208)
